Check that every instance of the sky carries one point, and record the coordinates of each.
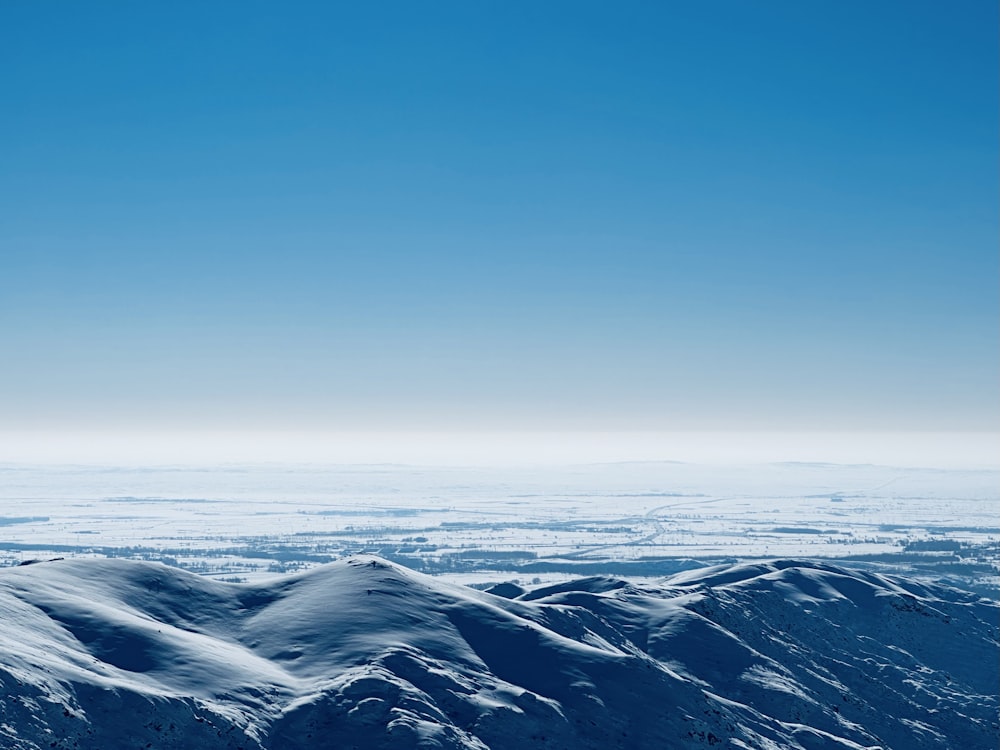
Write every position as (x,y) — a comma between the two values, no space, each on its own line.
(509,216)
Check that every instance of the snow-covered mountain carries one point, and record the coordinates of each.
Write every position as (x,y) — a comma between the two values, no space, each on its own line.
(363,654)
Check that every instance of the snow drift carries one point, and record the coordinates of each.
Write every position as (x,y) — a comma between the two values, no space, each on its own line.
(361,653)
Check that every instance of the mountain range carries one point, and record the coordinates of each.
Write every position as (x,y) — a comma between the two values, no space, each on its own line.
(362,653)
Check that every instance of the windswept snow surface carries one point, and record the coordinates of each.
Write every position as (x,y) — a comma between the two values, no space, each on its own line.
(361,653)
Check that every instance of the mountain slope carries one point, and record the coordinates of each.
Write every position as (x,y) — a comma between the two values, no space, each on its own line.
(361,653)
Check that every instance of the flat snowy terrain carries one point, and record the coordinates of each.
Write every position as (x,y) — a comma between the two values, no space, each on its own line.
(487,525)
(362,653)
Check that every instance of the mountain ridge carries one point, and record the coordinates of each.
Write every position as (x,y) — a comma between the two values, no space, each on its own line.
(364,653)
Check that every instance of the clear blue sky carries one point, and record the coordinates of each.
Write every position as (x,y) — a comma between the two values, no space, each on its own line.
(511,215)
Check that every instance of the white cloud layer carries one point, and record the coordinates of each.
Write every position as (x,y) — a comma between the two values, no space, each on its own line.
(918,449)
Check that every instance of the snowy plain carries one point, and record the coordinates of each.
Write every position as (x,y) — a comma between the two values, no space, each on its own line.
(484,525)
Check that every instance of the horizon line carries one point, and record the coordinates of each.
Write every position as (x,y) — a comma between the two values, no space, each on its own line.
(501,448)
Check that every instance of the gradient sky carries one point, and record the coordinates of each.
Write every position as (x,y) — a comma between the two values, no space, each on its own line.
(499,215)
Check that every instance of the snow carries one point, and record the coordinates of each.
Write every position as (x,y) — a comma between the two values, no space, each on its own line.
(488,525)
(105,653)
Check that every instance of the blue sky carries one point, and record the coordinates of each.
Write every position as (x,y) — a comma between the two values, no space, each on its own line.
(485,215)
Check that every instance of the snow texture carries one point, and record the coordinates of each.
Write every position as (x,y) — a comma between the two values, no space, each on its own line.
(361,653)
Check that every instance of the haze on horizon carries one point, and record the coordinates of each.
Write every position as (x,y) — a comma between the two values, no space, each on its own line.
(487,217)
